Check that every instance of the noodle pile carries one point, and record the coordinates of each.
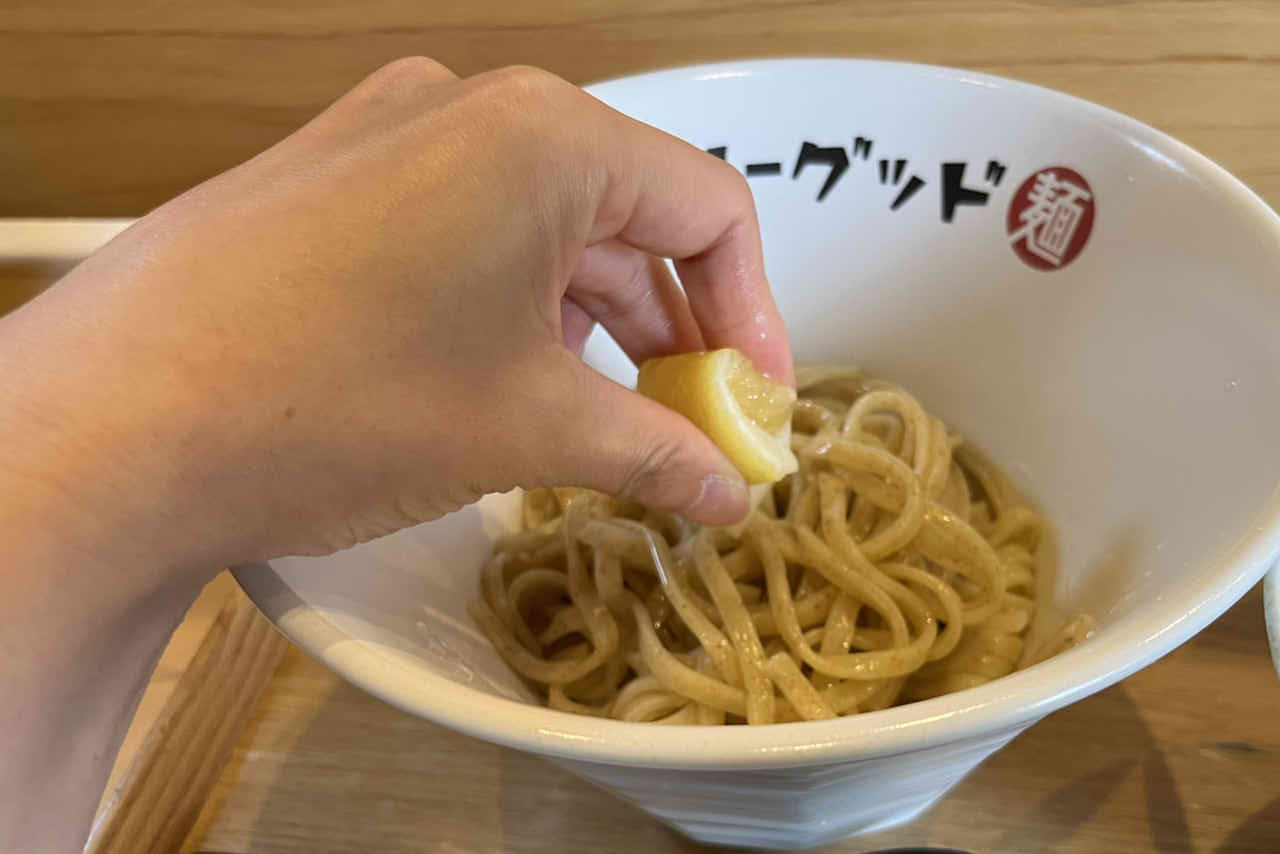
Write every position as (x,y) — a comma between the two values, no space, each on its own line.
(895,565)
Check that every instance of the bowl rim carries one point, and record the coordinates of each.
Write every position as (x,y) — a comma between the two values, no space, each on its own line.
(1005,705)
(1271,611)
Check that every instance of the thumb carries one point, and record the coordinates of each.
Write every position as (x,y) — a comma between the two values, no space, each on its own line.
(622,443)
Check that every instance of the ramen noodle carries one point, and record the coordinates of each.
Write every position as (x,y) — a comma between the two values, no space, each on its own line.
(895,565)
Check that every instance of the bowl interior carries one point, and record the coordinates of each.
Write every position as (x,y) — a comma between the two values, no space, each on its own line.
(1132,388)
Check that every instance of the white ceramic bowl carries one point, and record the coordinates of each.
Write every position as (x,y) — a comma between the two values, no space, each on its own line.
(1130,381)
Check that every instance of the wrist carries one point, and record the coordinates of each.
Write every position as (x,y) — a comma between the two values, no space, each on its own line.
(85,482)
(85,517)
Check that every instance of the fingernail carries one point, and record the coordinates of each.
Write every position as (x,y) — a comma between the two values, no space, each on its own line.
(722,500)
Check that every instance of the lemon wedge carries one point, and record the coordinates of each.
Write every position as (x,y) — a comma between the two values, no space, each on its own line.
(744,412)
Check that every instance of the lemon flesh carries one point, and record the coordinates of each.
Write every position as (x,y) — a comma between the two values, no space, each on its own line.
(745,413)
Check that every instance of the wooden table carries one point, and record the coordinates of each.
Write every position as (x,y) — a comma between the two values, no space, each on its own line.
(1182,757)
(107,109)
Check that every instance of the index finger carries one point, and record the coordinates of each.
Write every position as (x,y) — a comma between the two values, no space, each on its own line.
(668,198)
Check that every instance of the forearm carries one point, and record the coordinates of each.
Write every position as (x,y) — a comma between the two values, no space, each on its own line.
(78,652)
(89,594)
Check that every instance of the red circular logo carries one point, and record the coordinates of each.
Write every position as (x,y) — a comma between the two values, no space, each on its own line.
(1050,217)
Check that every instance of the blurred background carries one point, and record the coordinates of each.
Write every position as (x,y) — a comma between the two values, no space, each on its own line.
(109,108)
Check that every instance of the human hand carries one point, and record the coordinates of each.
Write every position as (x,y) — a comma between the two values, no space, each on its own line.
(380,319)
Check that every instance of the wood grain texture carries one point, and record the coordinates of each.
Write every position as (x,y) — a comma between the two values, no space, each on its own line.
(1182,757)
(157,799)
(174,662)
(111,108)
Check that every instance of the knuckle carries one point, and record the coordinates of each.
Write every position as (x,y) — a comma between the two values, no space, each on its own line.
(737,187)
(537,111)
(529,81)
(411,71)
(628,296)
(528,98)
(651,469)
(399,81)
(731,184)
